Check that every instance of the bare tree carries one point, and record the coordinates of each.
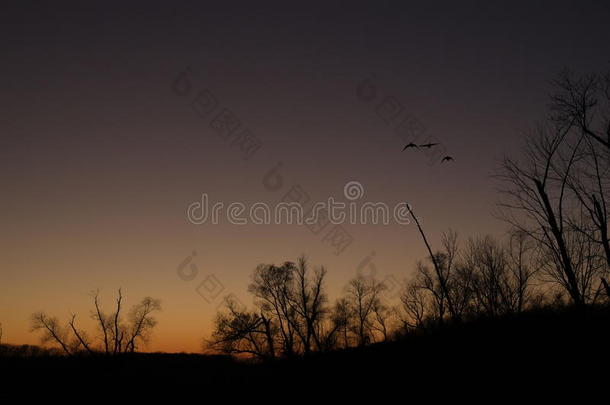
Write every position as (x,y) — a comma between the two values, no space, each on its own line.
(288,320)
(537,203)
(102,320)
(115,336)
(141,323)
(587,261)
(589,182)
(433,294)
(363,295)
(485,278)
(564,186)
(51,329)
(117,332)
(80,335)
(308,299)
(499,286)
(583,103)
(442,274)
(271,286)
(381,320)
(341,323)
(523,266)
(239,331)
(415,306)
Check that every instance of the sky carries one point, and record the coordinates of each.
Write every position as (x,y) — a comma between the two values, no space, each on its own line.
(112,126)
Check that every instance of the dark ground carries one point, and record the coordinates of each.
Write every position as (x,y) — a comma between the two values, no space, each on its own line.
(547,353)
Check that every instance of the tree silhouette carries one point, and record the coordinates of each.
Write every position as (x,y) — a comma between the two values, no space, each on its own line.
(363,295)
(114,334)
(557,193)
(290,304)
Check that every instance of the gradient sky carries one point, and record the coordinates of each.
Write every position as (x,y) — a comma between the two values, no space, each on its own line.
(99,158)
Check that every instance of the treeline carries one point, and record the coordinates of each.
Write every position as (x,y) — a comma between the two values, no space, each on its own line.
(28,351)
(557,252)
(293,314)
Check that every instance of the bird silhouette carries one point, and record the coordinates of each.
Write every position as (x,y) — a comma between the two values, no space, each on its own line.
(447,159)
(411,145)
(428,145)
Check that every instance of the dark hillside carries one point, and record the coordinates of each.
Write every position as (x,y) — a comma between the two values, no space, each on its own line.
(519,352)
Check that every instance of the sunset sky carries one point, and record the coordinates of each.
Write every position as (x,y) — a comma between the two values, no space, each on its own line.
(101,154)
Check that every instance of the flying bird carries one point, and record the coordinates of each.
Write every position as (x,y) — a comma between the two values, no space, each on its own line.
(428,145)
(411,145)
(447,159)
